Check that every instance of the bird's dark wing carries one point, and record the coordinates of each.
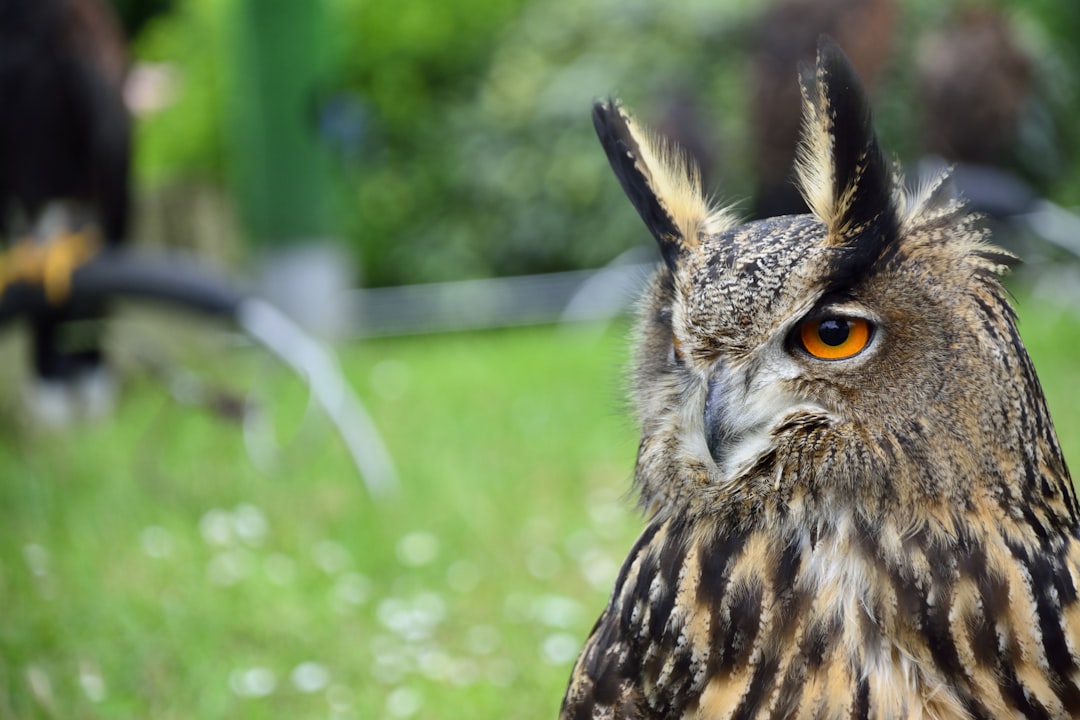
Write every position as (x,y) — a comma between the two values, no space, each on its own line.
(64,130)
(679,631)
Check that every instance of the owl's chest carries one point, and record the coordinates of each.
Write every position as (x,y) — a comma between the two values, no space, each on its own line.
(766,626)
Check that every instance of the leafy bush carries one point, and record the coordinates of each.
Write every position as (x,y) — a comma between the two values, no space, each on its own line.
(463,138)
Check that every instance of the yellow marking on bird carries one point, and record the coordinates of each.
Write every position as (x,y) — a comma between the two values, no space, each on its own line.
(49,264)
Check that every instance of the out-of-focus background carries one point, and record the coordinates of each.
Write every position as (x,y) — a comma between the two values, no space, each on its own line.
(188,528)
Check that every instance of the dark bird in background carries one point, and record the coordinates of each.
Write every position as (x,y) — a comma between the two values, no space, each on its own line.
(974,80)
(65,138)
(975,83)
(857,506)
(787,34)
(984,112)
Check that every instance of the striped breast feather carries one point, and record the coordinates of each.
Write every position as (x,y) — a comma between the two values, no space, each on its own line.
(864,622)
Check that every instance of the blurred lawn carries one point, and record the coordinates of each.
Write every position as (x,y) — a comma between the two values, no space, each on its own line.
(147,568)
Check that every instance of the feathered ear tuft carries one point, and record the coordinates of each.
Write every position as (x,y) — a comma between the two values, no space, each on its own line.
(841,170)
(663,184)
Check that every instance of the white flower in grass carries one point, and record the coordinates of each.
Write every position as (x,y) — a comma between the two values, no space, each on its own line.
(230,567)
(434,664)
(310,677)
(417,548)
(463,671)
(394,614)
(412,620)
(91,681)
(557,611)
(339,698)
(390,660)
(250,524)
(156,541)
(390,669)
(351,590)
(40,685)
(599,568)
(216,527)
(431,607)
(37,559)
(252,682)
(403,702)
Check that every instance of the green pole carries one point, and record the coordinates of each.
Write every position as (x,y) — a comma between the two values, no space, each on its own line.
(279,173)
(281,176)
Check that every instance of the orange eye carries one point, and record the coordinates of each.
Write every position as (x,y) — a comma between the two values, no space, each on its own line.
(834,338)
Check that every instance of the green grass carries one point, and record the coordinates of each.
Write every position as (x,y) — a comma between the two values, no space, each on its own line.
(149,569)
(150,552)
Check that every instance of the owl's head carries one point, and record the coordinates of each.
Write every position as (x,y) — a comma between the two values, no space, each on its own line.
(865,353)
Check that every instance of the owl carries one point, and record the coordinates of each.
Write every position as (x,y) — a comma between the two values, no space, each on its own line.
(856,503)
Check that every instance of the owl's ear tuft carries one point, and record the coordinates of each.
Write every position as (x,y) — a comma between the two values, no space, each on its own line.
(841,170)
(663,184)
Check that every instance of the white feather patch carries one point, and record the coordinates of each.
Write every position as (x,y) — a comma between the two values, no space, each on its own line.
(675,180)
(813,161)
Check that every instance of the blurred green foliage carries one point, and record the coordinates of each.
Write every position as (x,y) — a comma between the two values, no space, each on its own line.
(472,151)
(186,140)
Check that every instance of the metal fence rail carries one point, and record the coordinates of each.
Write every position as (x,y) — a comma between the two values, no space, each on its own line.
(583,295)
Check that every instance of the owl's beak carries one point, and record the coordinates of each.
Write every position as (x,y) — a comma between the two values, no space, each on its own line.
(719,430)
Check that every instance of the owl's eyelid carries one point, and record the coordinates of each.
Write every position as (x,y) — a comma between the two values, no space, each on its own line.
(836,307)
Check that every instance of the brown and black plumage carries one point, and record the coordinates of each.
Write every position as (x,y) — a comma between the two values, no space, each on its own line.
(857,505)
